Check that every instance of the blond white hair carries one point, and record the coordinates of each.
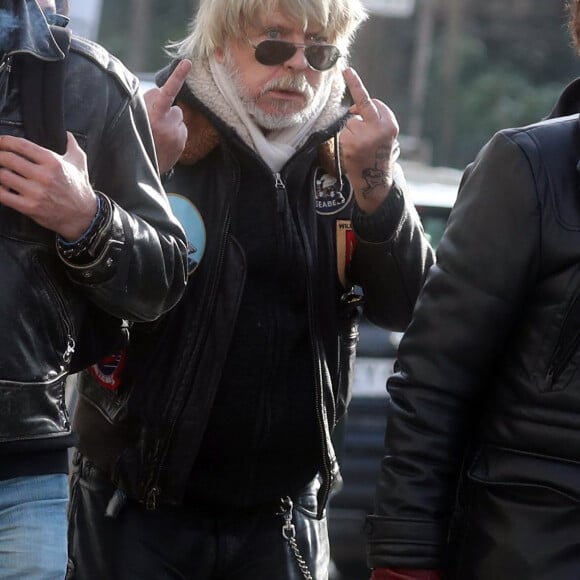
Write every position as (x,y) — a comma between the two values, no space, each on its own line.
(218,21)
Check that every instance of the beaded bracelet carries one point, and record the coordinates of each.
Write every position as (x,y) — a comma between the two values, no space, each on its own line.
(82,250)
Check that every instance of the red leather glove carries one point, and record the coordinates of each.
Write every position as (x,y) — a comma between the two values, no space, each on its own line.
(398,574)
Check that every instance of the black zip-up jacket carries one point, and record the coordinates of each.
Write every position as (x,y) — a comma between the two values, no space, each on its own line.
(141,270)
(147,433)
(482,465)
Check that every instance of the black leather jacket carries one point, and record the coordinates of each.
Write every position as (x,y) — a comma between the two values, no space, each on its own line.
(482,441)
(140,272)
(148,432)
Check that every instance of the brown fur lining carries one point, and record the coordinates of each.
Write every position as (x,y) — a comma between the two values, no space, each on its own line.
(202,136)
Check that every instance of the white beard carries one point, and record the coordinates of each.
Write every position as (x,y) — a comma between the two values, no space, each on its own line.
(285,116)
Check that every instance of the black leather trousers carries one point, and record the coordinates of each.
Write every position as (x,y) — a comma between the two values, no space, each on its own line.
(183,544)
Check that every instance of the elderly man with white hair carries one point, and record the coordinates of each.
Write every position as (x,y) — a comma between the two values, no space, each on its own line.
(205,447)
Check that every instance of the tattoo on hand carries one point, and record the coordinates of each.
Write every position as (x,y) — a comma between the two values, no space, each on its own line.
(375,177)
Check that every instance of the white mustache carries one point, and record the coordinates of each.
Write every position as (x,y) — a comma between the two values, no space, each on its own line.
(297,83)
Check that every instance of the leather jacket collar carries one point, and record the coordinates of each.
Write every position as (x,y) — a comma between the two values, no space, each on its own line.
(569,101)
(25,30)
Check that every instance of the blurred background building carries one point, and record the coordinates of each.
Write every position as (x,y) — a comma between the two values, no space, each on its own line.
(86,17)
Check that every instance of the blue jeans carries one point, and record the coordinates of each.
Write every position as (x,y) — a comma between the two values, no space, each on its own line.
(33,526)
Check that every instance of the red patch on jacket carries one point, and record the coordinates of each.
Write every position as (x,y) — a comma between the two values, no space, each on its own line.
(108,372)
(345,245)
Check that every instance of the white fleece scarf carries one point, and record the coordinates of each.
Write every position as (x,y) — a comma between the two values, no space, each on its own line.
(279,145)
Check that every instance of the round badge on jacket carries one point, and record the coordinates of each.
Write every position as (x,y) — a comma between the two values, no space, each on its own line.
(329,197)
(192,222)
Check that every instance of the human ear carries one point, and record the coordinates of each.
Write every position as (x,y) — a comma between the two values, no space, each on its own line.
(220,54)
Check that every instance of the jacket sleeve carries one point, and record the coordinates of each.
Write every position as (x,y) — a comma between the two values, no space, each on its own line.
(391,258)
(486,259)
(140,271)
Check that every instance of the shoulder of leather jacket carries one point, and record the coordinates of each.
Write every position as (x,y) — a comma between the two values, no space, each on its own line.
(105,61)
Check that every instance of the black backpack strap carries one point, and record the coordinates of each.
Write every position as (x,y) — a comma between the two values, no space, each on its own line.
(42,95)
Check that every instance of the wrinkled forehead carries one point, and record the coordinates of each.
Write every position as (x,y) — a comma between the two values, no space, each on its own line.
(276,19)
(285,13)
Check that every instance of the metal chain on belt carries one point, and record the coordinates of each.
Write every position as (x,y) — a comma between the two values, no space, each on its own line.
(289,532)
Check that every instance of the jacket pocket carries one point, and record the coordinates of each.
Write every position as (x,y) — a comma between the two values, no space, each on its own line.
(499,466)
(563,363)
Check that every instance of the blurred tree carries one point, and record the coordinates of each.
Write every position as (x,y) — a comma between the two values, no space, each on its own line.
(139,28)
(514,60)
(531,35)
(488,98)
(422,57)
(137,31)
(451,43)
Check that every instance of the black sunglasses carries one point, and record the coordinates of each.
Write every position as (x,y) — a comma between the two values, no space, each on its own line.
(274,52)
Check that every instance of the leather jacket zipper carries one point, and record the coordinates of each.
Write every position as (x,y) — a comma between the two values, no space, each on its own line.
(70,341)
(151,498)
(63,316)
(281,194)
(5,69)
(6,64)
(69,349)
(326,484)
(567,344)
(282,202)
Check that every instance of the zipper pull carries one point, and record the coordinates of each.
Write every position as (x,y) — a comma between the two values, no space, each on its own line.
(281,194)
(5,68)
(151,500)
(70,348)
(6,64)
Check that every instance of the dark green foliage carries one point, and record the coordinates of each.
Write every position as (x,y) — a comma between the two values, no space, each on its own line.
(169,20)
(492,94)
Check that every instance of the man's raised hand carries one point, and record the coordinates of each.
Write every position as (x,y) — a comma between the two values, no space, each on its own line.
(369,146)
(169,130)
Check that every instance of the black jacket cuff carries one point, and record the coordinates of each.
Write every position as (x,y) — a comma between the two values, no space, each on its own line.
(383,224)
